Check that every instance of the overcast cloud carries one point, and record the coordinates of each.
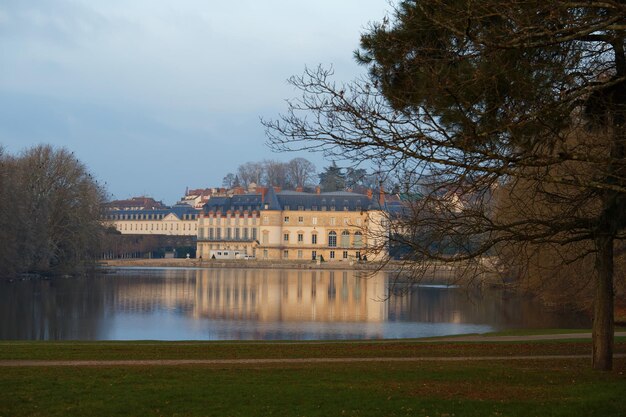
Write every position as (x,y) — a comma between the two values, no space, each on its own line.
(157,95)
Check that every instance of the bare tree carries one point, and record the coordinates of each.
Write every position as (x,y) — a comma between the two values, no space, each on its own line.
(300,172)
(276,174)
(250,172)
(230,180)
(53,206)
(525,95)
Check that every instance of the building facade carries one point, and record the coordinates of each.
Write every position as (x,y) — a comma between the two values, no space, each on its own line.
(291,225)
(175,221)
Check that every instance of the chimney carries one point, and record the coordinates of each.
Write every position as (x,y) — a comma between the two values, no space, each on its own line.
(381,196)
(318,190)
(299,189)
(369,193)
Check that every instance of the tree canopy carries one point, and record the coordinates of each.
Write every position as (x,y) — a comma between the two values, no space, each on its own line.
(488,101)
(49,212)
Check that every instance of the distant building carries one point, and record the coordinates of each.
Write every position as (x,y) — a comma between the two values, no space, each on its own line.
(135,203)
(197,198)
(292,225)
(179,220)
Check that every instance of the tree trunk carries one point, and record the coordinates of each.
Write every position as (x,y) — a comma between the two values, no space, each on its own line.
(603,317)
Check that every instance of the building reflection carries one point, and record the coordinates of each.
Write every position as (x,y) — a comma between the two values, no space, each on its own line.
(233,303)
(169,290)
(290,295)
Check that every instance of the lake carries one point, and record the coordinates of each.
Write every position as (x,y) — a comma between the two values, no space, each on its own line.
(250,304)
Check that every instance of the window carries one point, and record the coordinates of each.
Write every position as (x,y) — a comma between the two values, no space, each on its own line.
(219,233)
(286,219)
(264,253)
(314,239)
(300,220)
(332,221)
(286,237)
(314,220)
(254,233)
(345,254)
(314,255)
(332,254)
(237,232)
(266,220)
(332,239)
(245,233)
(300,237)
(299,254)
(285,254)
(210,233)
(358,240)
(345,239)
(266,236)
(358,255)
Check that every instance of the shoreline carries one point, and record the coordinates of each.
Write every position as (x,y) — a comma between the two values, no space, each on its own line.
(242,264)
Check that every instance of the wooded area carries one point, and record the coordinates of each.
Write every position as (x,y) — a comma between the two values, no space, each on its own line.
(49,212)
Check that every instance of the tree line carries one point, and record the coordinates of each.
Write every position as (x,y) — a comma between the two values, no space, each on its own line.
(50,211)
(300,173)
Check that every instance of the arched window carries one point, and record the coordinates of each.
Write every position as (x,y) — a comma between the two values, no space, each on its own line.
(358,240)
(345,239)
(332,239)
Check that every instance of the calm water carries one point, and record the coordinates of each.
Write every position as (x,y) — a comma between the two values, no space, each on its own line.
(230,304)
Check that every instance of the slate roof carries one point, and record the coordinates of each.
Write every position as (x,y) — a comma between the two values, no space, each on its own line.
(238,202)
(179,210)
(293,200)
(337,201)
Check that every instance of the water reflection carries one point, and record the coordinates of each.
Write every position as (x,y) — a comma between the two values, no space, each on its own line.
(267,296)
(222,304)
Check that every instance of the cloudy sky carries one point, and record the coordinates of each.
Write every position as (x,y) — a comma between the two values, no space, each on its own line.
(154,95)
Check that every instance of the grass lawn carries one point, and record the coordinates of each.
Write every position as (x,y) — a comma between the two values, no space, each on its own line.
(555,387)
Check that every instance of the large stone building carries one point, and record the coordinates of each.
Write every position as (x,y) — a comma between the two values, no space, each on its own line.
(291,225)
(179,220)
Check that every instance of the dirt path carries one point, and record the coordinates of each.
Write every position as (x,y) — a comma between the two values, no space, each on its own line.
(223,362)
(525,338)
(265,361)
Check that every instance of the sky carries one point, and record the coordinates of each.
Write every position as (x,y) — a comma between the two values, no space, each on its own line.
(154,96)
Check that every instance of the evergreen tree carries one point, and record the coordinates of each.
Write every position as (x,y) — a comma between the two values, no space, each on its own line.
(332,179)
(524,95)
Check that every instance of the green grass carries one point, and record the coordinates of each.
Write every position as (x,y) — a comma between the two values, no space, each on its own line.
(242,350)
(533,388)
(555,387)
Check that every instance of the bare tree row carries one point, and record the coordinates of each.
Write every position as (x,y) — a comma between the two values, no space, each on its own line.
(49,212)
(301,173)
